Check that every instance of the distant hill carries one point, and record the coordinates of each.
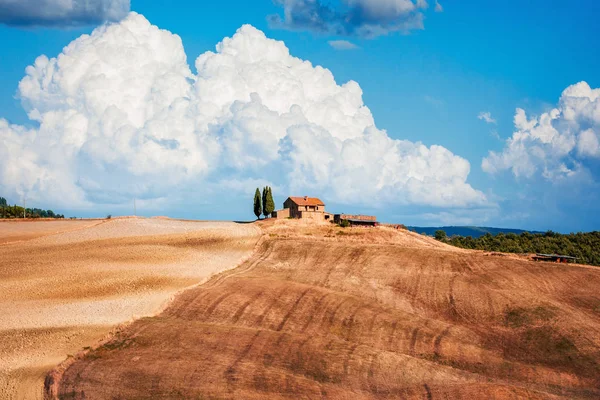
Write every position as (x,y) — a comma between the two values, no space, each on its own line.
(473,231)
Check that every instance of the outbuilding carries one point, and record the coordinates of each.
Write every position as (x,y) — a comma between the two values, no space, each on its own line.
(554,258)
(356,220)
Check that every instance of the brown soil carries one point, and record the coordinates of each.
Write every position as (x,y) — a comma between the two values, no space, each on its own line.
(321,312)
(16,230)
(64,291)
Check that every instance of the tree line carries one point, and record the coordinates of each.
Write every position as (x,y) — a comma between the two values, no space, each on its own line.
(263,205)
(15,211)
(584,246)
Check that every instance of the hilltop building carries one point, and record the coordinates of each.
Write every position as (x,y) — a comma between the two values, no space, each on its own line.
(303,208)
(554,258)
(358,220)
(313,208)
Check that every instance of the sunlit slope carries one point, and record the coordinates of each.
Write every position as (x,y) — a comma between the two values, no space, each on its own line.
(361,313)
(65,291)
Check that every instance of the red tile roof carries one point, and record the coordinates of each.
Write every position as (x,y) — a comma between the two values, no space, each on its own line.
(307,201)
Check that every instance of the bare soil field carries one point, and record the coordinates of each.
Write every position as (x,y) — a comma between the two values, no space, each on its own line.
(323,312)
(62,292)
(22,230)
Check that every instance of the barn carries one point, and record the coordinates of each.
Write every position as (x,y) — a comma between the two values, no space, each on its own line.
(356,220)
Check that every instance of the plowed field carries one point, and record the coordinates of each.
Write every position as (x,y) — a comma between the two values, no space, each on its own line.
(321,312)
(61,292)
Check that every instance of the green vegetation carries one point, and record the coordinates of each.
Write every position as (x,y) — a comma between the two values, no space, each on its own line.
(584,246)
(440,235)
(344,223)
(267,201)
(8,211)
(257,203)
(263,205)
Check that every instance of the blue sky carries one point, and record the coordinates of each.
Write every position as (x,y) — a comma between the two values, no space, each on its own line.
(427,85)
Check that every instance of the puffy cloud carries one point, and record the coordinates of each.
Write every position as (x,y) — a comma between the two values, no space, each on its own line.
(61,12)
(342,45)
(588,144)
(364,18)
(422,4)
(487,117)
(438,7)
(558,142)
(121,114)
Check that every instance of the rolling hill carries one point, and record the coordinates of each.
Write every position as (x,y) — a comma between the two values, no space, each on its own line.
(324,312)
(473,231)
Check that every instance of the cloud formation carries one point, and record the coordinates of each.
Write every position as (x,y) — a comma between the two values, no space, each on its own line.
(487,117)
(342,45)
(557,143)
(363,18)
(61,12)
(121,114)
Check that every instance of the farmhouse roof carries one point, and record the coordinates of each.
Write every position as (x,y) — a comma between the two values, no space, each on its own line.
(307,201)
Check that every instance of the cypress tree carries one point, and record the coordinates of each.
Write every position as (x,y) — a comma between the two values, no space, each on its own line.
(269,204)
(257,203)
(264,201)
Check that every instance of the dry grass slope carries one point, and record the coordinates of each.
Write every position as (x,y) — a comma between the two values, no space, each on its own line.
(61,292)
(12,231)
(362,314)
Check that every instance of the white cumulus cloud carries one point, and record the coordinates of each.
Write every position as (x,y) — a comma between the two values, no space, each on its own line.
(556,143)
(120,114)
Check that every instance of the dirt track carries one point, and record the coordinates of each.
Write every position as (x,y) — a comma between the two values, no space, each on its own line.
(361,314)
(61,292)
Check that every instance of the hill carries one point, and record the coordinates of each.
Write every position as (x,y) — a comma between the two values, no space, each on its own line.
(325,312)
(473,231)
(65,285)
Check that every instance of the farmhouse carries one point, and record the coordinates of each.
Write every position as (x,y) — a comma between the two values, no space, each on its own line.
(303,208)
(313,208)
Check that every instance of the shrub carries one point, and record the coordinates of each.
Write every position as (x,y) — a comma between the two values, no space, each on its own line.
(440,235)
(344,223)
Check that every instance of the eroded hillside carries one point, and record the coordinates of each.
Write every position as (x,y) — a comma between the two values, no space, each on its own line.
(362,314)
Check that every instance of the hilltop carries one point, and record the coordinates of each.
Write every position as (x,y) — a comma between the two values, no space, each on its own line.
(365,313)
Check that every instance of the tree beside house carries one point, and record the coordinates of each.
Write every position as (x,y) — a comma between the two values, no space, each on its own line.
(263,204)
(257,203)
